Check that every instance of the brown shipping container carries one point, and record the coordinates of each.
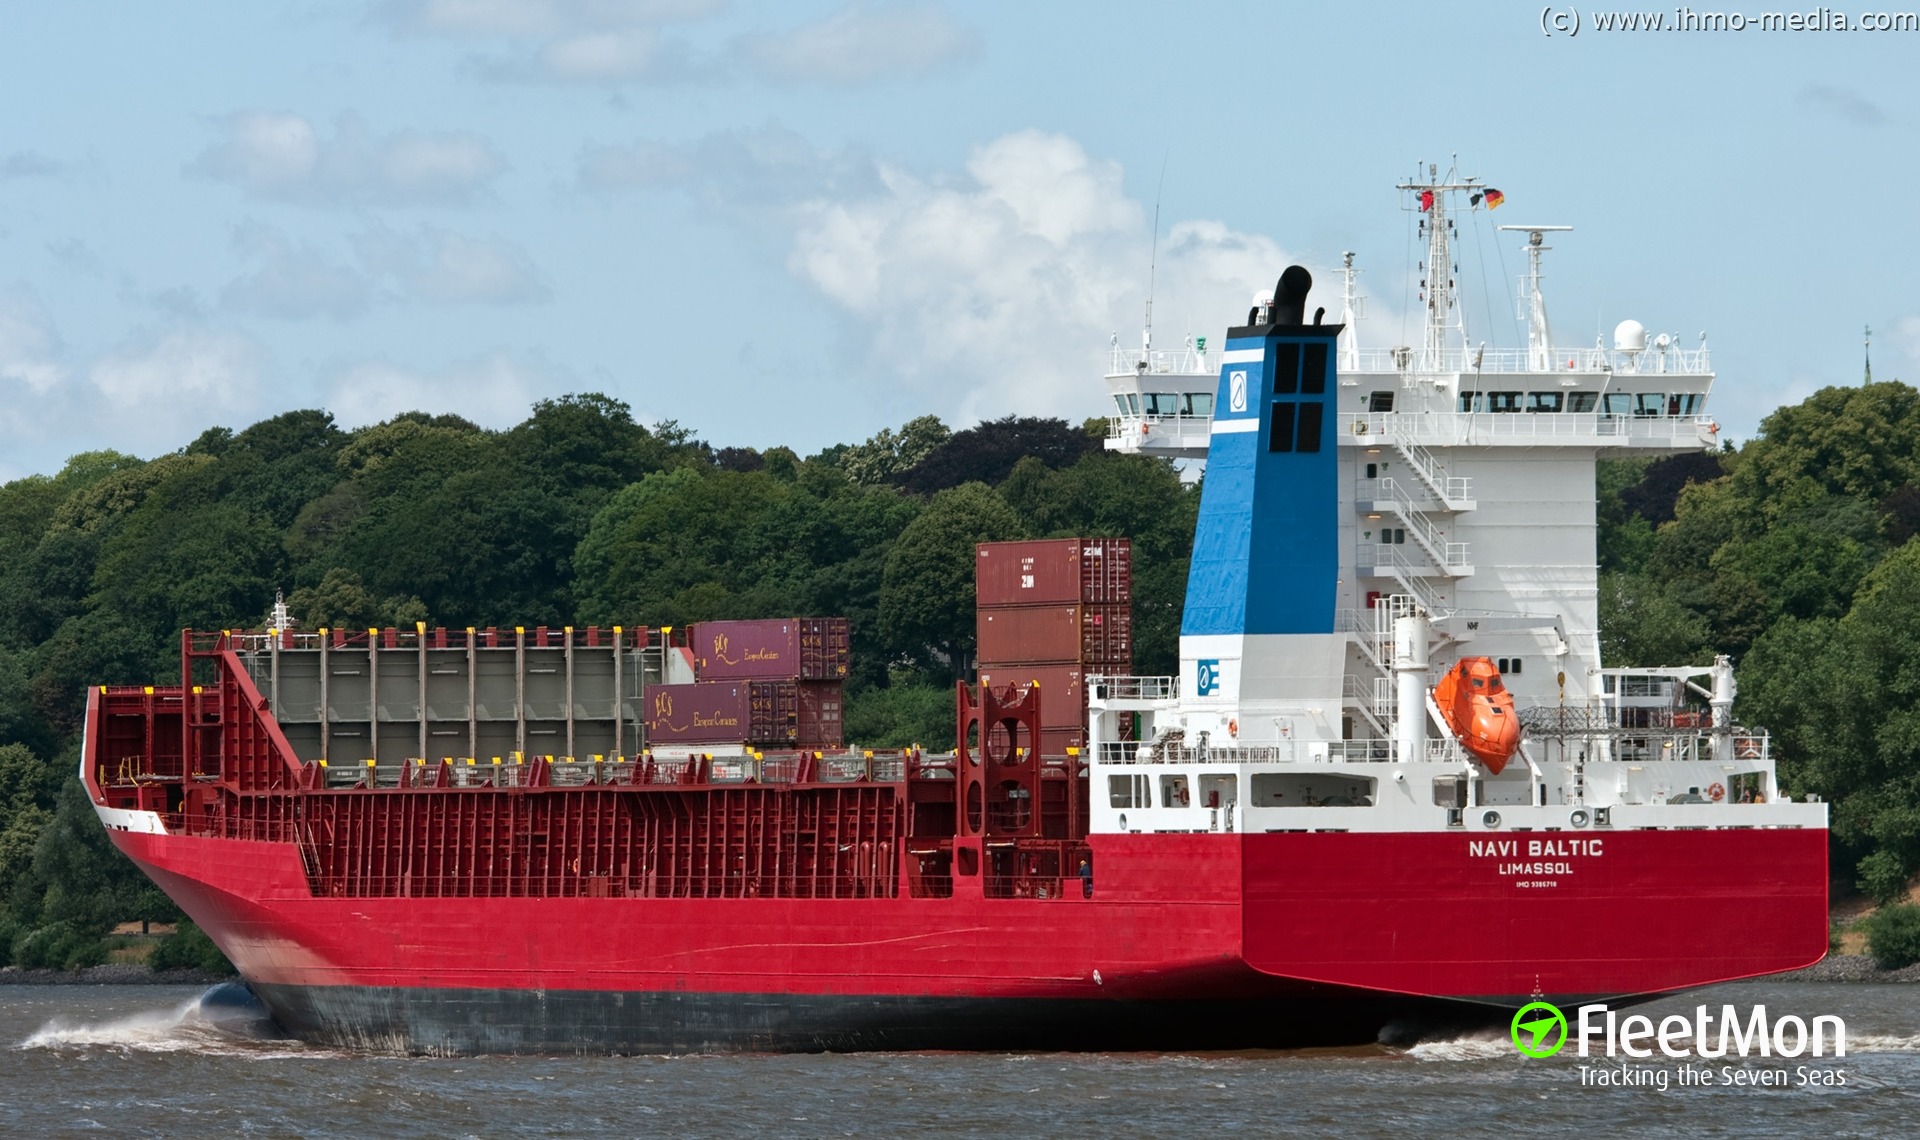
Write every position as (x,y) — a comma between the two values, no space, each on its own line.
(807,649)
(822,713)
(1056,741)
(1032,635)
(724,712)
(1096,570)
(696,714)
(1063,696)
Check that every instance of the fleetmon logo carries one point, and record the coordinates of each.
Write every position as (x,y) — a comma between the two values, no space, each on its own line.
(1537,1024)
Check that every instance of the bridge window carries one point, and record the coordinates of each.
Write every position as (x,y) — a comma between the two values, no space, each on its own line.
(1617,404)
(1472,402)
(1582,401)
(1688,404)
(1199,404)
(1544,401)
(1651,404)
(1503,401)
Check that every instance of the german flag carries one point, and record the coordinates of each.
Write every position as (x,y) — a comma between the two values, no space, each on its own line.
(1494,198)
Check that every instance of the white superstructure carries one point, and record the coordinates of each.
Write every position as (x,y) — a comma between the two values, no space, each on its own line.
(1465,528)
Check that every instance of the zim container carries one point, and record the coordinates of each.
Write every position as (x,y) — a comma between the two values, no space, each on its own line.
(1054,570)
(1097,636)
(807,649)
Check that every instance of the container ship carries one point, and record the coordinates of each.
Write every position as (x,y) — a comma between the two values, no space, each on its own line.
(1392,781)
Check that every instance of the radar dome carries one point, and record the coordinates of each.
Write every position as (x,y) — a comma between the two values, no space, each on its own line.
(1629,336)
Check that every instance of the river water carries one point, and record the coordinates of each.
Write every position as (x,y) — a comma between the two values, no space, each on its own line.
(160,1061)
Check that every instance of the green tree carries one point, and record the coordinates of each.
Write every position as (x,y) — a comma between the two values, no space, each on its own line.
(926,591)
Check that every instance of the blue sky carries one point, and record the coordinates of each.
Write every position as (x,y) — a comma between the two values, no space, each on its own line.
(798,223)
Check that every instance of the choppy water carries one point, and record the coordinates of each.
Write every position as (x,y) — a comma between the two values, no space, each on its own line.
(154,1061)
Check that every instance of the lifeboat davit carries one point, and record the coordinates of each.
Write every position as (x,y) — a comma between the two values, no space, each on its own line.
(1479,710)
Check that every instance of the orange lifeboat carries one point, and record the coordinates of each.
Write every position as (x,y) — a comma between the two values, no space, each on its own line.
(1479,710)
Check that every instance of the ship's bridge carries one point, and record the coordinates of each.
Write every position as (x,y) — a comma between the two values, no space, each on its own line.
(1635,396)
(1162,401)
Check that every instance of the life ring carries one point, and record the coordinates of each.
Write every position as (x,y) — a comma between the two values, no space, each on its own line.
(1747,749)
(1233,728)
(1182,793)
(1146,429)
(1716,791)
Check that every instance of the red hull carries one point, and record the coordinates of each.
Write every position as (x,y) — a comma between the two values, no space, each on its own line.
(1174,917)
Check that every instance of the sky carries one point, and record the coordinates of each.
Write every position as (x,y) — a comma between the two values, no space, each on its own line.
(797,223)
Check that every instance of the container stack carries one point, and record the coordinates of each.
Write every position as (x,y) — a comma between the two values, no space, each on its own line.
(1053,613)
(774,683)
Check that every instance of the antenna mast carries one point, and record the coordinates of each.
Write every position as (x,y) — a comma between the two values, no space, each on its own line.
(1539,336)
(1444,324)
(1153,264)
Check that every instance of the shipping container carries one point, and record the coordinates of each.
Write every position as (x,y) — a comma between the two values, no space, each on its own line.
(734,712)
(1099,637)
(1063,694)
(806,649)
(822,714)
(1090,570)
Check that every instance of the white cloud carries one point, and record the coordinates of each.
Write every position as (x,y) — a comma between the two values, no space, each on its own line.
(282,157)
(754,167)
(294,282)
(494,390)
(435,264)
(29,344)
(1004,286)
(861,43)
(200,372)
(521,19)
(28,164)
(1844,103)
(152,393)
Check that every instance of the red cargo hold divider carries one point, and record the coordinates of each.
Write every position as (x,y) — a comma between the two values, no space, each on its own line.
(806,649)
(1093,570)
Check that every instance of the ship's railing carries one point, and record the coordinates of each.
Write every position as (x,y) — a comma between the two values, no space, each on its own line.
(519,771)
(248,642)
(1379,751)
(1459,429)
(1127,688)
(1375,557)
(1123,360)
(1649,362)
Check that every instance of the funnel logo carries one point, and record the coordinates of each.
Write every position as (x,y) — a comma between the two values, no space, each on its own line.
(1539,1029)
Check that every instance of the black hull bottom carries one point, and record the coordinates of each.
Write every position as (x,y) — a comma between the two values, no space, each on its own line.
(444,1021)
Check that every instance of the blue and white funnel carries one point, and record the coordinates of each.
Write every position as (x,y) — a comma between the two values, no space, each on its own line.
(1258,641)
